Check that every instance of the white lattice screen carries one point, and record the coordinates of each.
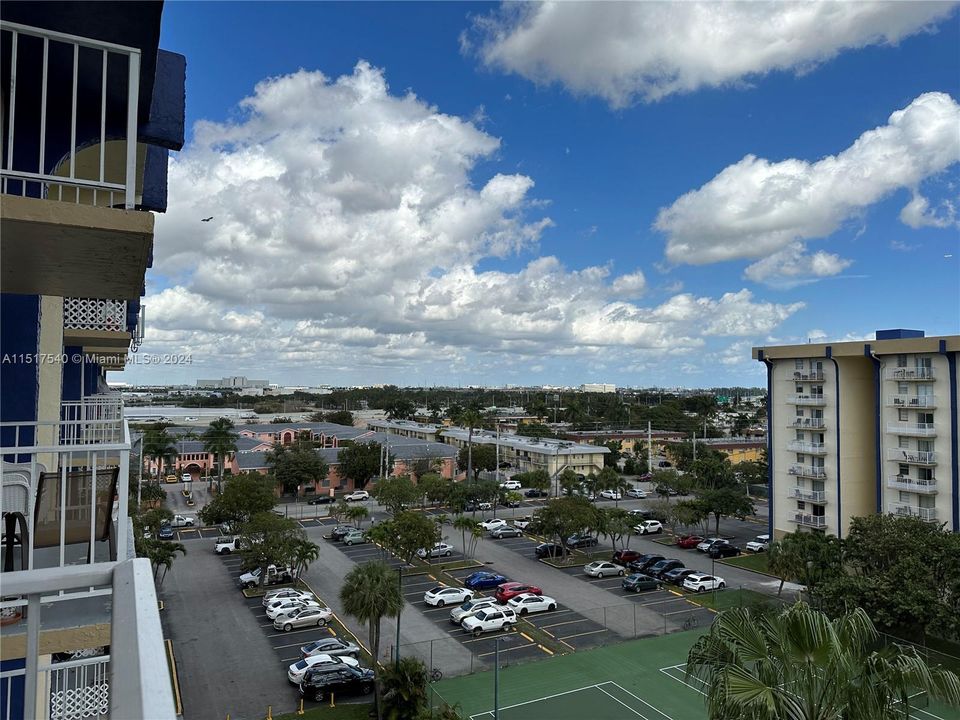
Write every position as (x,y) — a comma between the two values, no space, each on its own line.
(94,314)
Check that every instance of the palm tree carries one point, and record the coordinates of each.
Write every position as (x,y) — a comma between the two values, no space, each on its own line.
(799,664)
(464,524)
(369,592)
(405,684)
(220,440)
(162,553)
(159,447)
(358,514)
(476,534)
(470,418)
(304,553)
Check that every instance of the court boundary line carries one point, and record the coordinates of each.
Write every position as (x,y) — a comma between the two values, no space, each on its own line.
(598,686)
(638,714)
(539,699)
(682,682)
(652,707)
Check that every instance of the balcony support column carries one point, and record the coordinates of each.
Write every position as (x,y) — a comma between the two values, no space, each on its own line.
(878,436)
(33,657)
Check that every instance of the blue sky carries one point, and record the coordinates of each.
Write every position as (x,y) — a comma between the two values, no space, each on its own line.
(459,193)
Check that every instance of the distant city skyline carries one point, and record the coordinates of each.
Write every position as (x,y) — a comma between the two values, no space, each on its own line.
(456,193)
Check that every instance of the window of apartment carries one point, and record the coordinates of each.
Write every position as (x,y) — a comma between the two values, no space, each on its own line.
(801,459)
(925,361)
(903,442)
(799,412)
(798,364)
(816,413)
(925,445)
(818,462)
(799,389)
(927,501)
(925,418)
(818,438)
(819,511)
(817,485)
(801,505)
(904,496)
(903,388)
(817,365)
(901,361)
(925,473)
(903,470)
(902,415)
(800,435)
(816,390)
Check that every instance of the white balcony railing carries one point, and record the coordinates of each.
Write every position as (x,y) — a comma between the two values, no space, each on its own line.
(808,520)
(912,401)
(807,495)
(94,314)
(806,376)
(815,400)
(810,471)
(812,423)
(917,372)
(28,170)
(914,429)
(62,477)
(130,682)
(906,510)
(810,448)
(927,486)
(912,457)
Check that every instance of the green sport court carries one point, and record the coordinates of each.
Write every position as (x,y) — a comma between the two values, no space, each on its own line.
(635,680)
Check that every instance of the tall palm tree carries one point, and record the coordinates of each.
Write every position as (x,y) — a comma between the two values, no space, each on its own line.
(163,553)
(304,553)
(160,447)
(464,524)
(799,664)
(370,592)
(220,439)
(358,514)
(470,418)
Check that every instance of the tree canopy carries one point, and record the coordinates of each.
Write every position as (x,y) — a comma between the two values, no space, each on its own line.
(296,465)
(396,493)
(359,462)
(243,496)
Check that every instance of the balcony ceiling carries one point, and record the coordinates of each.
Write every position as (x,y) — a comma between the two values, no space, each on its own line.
(59,248)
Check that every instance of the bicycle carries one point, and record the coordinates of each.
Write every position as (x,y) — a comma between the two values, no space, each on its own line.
(690,622)
(435,675)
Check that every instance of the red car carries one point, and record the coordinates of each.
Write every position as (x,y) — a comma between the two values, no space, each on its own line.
(689,541)
(624,557)
(511,589)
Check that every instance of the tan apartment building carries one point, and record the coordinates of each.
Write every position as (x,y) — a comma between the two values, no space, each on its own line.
(527,453)
(863,427)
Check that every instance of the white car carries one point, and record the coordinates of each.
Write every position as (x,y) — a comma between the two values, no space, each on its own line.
(287,606)
(444,595)
(698,582)
(705,545)
(296,671)
(529,603)
(611,495)
(438,550)
(492,523)
(357,495)
(470,607)
(484,506)
(599,568)
(522,522)
(186,478)
(761,543)
(491,618)
(637,493)
(510,485)
(649,526)
(286,594)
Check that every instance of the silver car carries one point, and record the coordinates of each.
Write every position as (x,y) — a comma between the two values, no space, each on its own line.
(303,617)
(330,646)
(271,597)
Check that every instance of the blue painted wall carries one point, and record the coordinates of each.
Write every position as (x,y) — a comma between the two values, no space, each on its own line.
(12,693)
(19,336)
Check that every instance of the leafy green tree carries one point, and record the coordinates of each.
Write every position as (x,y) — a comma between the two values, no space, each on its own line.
(296,465)
(616,524)
(565,516)
(569,482)
(713,472)
(801,665)
(357,514)
(400,409)
(727,502)
(513,498)
(413,531)
(396,493)
(612,458)
(484,458)
(243,496)
(152,492)
(153,519)
(359,462)
(405,689)
(270,540)
(369,593)
(538,479)
(632,467)
(339,417)
(220,440)
(691,512)
(435,488)
(805,557)
(610,479)
(457,497)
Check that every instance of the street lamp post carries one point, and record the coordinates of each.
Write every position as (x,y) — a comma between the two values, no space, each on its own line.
(397,652)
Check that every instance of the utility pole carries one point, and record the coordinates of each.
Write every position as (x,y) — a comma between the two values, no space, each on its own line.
(649,448)
(694,445)
(498,452)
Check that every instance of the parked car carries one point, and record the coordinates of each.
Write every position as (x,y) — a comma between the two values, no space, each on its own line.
(648,527)
(439,550)
(658,569)
(599,568)
(341,531)
(508,590)
(346,680)
(285,594)
(622,557)
(482,580)
(535,493)
(698,582)
(355,537)
(505,531)
(611,495)
(445,595)
(665,490)
(226,545)
(708,543)
(645,561)
(300,668)
(484,506)
(530,603)
(723,550)
(492,523)
(276,574)
(637,493)
(180,521)
(287,605)
(357,495)
(761,543)
(510,485)
(677,575)
(332,645)
(581,541)
(321,500)
(488,619)
(689,542)
(303,617)
(550,550)
(509,502)
(644,514)
(165,531)
(523,522)
(636,582)
(470,607)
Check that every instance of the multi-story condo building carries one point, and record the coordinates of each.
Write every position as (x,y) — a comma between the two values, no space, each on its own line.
(90,109)
(406,428)
(863,427)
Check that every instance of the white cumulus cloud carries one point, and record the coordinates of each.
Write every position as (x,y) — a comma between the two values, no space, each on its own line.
(624,50)
(917,213)
(792,266)
(757,207)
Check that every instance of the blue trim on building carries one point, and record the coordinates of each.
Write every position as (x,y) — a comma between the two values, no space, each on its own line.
(836,370)
(762,358)
(878,421)
(954,434)
(155,166)
(72,383)
(168,105)
(12,690)
(20,320)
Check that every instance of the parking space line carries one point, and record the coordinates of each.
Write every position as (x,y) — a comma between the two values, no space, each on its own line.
(591,632)
(567,622)
(506,649)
